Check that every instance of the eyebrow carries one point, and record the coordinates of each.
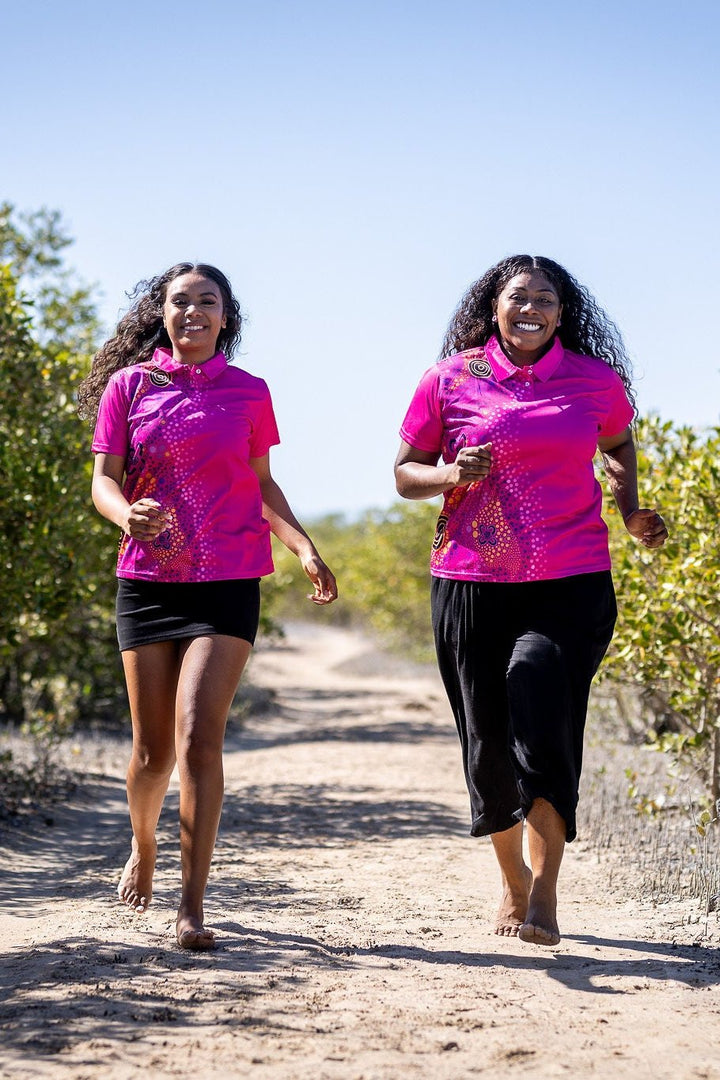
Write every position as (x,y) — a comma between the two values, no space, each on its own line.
(205,292)
(523,288)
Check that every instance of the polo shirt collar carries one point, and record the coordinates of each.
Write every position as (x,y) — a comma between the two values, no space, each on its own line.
(213,367)
(503,368)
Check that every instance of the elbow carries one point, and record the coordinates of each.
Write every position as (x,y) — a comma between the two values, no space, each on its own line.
(95,495)
(402,485)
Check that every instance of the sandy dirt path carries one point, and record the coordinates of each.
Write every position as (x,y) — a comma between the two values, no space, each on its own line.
(354,913)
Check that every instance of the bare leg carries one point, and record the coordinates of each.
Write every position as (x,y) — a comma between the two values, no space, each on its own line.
(210,672)
(516,879)
(546,842)
(151,676)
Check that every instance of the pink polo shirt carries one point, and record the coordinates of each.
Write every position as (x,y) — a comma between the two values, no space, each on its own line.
(187,433)
(538,513)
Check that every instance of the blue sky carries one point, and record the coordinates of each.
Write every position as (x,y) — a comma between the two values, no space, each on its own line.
(354,167)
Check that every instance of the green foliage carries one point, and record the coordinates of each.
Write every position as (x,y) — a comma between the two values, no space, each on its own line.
(667,640)
(57,657)
(381,561)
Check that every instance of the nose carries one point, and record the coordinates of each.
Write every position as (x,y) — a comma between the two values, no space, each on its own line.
(529,305)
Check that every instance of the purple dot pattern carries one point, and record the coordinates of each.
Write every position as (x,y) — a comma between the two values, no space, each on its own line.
(187,434)
(538,513)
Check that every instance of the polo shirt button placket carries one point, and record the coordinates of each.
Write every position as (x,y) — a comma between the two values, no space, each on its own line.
(524,385)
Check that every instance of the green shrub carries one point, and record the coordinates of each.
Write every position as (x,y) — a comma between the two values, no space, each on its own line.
(667,642)
(381,561)
(57,652)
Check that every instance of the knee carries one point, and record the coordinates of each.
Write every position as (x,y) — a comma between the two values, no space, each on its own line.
(520,678)
(198,748)
(534,663)
(154,760)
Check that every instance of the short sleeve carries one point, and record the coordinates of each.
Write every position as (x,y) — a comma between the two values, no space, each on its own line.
(620,413)
(111,428)
(423,425)
(265,433)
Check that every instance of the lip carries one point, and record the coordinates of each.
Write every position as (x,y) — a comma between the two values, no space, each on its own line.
(528,326)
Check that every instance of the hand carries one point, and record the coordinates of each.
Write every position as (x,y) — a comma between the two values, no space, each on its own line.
(648,527)
(472,463)
(145,520)
(322,578)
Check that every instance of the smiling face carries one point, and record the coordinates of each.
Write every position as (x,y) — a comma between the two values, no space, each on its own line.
(193,316)
(527,310)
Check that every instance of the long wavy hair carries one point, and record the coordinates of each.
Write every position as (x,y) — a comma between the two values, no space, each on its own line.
(140,331)
(585,326)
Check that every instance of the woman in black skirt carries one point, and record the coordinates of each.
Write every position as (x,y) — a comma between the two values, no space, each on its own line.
(523,607)
(181,445)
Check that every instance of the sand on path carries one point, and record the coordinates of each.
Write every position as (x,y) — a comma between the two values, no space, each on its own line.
(354,914)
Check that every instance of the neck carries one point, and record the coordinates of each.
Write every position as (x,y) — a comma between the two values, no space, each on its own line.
(192,356)
(524,357)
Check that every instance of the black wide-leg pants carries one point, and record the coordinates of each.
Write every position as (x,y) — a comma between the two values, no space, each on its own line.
(517,661)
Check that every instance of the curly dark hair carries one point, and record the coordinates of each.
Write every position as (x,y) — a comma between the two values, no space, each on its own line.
(585,326)
(140,331)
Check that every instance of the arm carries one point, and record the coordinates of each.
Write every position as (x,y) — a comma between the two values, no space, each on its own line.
(418,475)
(143,520)
(290,532)
(618,454)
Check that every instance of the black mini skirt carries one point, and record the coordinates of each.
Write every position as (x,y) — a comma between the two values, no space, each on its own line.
(150,611)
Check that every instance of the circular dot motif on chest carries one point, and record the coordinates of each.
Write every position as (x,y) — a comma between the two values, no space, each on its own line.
(158,377)
(480,369)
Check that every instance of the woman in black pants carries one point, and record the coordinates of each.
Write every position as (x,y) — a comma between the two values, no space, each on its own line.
(532,381)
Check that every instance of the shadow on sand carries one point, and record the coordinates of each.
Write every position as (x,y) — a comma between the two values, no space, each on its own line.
(116,992)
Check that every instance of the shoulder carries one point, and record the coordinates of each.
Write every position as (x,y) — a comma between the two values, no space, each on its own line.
(238,377)
(458,373)
(461,360)
(593,368)
(132,374)
(449,367)
(125,382)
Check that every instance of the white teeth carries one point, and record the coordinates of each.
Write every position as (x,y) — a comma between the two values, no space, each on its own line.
(528,326)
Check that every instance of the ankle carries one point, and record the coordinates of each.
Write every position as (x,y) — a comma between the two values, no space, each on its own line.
(543,891)
(145,846)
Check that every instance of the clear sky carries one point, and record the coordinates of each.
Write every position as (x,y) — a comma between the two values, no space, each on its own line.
(353,167)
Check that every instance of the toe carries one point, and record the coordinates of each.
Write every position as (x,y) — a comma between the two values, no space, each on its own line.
(196,939)
(538,935)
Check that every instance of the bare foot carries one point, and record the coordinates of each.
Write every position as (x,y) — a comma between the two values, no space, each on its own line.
(513,907)
(135,888)
(540,926)
(191,934)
